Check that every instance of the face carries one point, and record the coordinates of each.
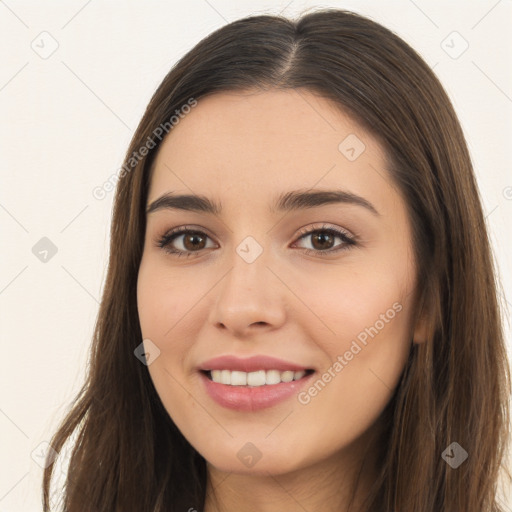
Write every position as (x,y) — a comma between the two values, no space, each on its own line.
(300,310)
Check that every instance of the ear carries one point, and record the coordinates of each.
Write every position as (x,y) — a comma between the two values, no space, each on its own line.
(421,330)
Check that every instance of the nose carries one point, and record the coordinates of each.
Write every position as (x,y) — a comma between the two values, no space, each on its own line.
(249,298)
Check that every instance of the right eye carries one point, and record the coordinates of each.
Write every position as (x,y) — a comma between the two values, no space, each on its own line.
(192,241)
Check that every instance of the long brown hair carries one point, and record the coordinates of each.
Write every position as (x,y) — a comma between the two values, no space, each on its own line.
(129,455)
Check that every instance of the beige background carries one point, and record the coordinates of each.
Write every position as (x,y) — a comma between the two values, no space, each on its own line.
(75,78)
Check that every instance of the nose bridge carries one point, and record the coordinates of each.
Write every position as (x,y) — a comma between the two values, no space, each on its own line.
(251,251)
(249,275)
(248,292)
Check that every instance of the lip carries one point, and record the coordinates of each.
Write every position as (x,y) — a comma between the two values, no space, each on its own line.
(246,398)
(250,364)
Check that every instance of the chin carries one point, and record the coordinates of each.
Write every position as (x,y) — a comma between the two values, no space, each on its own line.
(244,457)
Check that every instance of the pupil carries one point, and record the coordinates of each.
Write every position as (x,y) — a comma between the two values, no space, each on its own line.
(191,239)
(323,238)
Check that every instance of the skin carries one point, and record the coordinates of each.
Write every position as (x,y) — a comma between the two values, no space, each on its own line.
(241,150)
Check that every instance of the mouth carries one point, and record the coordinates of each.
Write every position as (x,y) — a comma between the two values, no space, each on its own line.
(253,383)
(251,391)
(255,379)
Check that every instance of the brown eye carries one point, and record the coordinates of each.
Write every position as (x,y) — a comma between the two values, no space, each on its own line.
(184,242)
(193,241)
(323,241)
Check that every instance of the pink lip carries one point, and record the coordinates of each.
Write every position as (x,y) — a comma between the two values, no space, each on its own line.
(246,398)
(250,364)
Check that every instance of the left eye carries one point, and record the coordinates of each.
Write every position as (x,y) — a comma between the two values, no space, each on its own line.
(326,236)
(193,241)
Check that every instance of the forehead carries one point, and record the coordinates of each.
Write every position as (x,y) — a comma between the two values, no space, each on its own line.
(252,144)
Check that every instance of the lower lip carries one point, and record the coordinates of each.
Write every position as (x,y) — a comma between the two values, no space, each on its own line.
(245,398)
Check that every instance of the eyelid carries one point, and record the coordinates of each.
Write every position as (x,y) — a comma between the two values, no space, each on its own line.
(325,227)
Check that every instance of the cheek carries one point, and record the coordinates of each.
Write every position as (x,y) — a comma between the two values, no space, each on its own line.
(348,304)
(364,329)
(368,314)
(163,302)
(164,299)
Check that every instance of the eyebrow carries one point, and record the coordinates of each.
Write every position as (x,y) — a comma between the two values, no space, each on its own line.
(286,202)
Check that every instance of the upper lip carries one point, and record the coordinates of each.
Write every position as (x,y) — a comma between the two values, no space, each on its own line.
(249,364)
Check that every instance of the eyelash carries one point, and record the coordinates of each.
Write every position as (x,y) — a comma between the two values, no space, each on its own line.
(164,241)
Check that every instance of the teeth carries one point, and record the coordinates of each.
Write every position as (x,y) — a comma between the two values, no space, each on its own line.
(225,377)
(238,378)
(254,379)
(287,376)
(273,377)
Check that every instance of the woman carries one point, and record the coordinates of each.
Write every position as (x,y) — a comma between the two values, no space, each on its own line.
(300,311)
